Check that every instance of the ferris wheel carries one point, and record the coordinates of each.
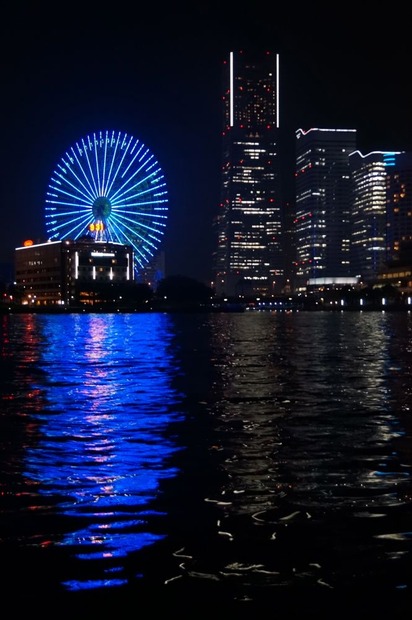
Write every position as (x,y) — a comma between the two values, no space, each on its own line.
(110,187)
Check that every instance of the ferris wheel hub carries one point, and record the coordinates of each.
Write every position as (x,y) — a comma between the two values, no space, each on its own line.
(102,208)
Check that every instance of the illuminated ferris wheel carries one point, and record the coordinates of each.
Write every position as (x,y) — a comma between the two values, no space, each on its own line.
(110,187)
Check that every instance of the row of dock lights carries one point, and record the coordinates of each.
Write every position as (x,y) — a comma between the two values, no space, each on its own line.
(287,303)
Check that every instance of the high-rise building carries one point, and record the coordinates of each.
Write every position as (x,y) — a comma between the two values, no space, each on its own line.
(369,174)
(399,208)
(249,259)
(323,206)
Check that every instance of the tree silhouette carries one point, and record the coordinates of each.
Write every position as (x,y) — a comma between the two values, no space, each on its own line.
(182,289)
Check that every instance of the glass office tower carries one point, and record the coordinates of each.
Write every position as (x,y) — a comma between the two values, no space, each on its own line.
(399,208)
(249,259)
(323,205)
(370,213)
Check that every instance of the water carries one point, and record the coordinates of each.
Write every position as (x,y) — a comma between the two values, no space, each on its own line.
(207,463)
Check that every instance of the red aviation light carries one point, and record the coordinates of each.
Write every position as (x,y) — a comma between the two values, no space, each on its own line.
(27,243)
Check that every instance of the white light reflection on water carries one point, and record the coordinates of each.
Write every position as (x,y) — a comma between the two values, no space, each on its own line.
(308,426)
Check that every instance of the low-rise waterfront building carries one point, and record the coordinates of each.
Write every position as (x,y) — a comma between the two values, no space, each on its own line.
(72,273)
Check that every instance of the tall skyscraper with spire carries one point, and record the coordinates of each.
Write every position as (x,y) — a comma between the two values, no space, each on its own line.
(249,256)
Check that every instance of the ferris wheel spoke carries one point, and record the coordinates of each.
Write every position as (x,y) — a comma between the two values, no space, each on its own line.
(99,185)
(140,226)
(122,189)
(65,214)
(104,165)
(92,178)
(77,184)
(125,208)
(113,143)
(139,253)
(90,191)
(71,226)
(138,192)
(79,199)
(117,173)
(142,168)
(131,163)
(132,230)
(139,216)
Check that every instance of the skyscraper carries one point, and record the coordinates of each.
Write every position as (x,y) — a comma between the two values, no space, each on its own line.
(323,205)
(399,208)
(248,259)
(369,212)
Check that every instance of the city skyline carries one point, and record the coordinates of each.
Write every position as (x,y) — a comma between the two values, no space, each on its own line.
(162,85)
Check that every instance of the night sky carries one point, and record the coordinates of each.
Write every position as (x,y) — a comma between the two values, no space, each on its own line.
(154,73)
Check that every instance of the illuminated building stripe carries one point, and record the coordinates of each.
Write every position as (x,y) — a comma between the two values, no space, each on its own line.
(277,91)
(231,89)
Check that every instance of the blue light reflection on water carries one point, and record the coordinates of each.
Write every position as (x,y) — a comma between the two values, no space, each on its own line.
(102,445)
(294,474)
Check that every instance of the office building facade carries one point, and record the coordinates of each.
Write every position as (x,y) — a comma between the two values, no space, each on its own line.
(370,211)
(71,273)
(248,259)
(323,206)
(399,208)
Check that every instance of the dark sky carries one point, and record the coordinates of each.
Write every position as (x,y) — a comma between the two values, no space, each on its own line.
(154,71)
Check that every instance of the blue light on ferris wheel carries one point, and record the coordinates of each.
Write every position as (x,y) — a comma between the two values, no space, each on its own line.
(109,186)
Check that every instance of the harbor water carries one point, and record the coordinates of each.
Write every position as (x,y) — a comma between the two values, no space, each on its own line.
(207,463)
